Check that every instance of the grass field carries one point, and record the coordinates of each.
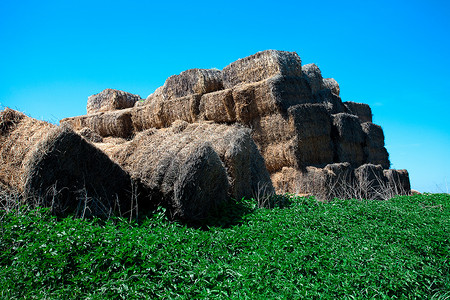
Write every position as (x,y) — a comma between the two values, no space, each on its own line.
(397,249)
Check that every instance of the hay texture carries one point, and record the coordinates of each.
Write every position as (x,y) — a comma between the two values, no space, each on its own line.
(374,150)
(90,135)
(189,82)
(370,181)
(112,123)
(332,85)
(110,99)
(55,167)
(348,138)
(363,111)
(261,66)
(398,181)
(218,107)
(313,76)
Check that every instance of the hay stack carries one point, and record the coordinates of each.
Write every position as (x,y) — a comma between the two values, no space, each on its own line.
(398,181)
(218,107)
(348,139)
(312,127)
(54,166)
(313,76)
(374,149)
(189,82)
(287,181)
(110,99)
(90,135)
(370,181)
(332,85)
(112,123)
(261,66)
(363,111)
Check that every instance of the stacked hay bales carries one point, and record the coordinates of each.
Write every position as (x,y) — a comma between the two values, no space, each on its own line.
(398,181)
(361,110)
(110,99)
(348,139)
(55,167)
(374,150)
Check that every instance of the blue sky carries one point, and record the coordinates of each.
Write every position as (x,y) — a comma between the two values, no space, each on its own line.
(392,55)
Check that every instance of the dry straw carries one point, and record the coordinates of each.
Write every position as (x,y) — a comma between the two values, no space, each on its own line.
(260,66)
(218,107)
(110,99)
(361,110)
(348,138)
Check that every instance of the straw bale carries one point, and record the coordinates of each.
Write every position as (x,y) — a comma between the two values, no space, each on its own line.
(90,135)
(273,95)
(313,76)
(279,155)
(312,125)
(261,66)
(374,136)
(287,181)
(332,85)
(147,116)
(189,82)
(370,181)
(218,107)
(363,111)
(398,181)
(333,103)
(377,156)
(112,123)
(110,99)
(348,139)
(270,129)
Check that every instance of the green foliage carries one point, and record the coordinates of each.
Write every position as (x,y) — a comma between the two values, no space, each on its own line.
(396,249)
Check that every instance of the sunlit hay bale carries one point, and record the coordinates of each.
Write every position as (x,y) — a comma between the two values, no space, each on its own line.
(280,155)
(19,137)
(374,150)
(55,167)
(398,181)
(260,66)
(361,110)
(273,95)
(313,76)
(110,99)
(90,135)
(148,116)
(370,181)
(218,107)
(332,85)
(312,127)
(189,82)
(287,181)
(111,123)
(348,139)
(185,173)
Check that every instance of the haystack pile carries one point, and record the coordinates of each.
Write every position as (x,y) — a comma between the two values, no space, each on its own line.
(53,166)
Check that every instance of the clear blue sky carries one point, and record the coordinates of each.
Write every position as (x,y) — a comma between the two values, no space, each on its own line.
(393,55)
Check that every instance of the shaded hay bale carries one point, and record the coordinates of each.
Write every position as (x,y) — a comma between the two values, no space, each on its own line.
(110,99)
(398,181)
(313,76)
(112,123)
(261,66)
(377,156)
(332,85)
(273,95)
(361,110)
(370,181)
(90,135)
(218,107)
(374,136)
(53,166)
(348,138)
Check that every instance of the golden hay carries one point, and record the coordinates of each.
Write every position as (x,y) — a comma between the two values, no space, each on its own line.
(287,181)
(90,135)
(261,66)
(54,166)
(113,123)
(110,99)
(218,107)
(361,110)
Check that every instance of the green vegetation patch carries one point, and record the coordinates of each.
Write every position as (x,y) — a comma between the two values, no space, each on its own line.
(346,248)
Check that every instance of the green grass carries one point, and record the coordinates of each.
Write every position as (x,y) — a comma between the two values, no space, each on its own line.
(397,249)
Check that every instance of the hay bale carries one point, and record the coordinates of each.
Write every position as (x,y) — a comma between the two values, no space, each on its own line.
(110,99)
(313,76)
(189,82)
(374,136)
(279,155)
(334,103)
(332,85)
(312,128)
(218,107)
(363,111)
(112,123)
(261,66)
(53,166)
(90,135)
(398,181)
(287,181)
(147,116)
(348,139)
(370,181)
(273,95)
(377,156)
